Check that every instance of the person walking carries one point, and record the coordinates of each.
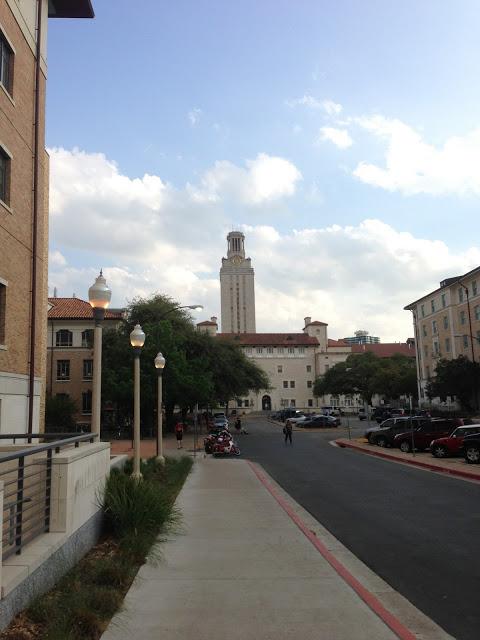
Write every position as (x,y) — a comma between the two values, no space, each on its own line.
(287,430)
(179,434)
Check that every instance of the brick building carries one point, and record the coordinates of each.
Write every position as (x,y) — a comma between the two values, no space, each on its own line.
(24,206)
(70,352)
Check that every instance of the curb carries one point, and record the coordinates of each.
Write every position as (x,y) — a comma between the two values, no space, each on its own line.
(414,463)
(390,620)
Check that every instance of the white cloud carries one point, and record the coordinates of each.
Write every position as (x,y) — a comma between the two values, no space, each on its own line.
(331,108)
(194,116)
(265,179)
(340,137)
(150,237)
(414,166)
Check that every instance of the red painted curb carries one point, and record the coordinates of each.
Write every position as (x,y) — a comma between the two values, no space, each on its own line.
(414,463)
(372,601)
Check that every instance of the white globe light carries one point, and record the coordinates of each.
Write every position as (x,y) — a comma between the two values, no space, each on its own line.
(137,337)
(159,361)
(99,295)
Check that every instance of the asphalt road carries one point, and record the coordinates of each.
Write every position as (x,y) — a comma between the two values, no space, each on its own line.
(418,530)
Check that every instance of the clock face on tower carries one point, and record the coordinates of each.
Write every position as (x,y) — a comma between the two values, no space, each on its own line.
(236,260)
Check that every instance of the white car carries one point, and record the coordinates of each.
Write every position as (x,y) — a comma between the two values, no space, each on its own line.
(300,419)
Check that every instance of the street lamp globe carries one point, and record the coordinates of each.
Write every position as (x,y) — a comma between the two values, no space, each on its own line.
(99,295)
(159,361)
(137,337)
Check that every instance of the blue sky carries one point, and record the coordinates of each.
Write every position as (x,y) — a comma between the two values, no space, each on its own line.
(280,116)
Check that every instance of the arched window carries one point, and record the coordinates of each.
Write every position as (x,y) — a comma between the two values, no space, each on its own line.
(64,338)
(87,338)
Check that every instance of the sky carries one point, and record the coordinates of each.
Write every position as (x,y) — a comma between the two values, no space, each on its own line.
(343,139)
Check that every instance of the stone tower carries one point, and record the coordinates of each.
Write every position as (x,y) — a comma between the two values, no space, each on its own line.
(237,287)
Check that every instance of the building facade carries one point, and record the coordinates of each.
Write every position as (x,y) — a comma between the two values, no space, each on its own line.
(24,207)
(362,337)
(237,288)
(447,324)
(70,352)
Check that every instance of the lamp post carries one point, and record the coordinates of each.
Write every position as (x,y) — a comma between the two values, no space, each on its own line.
(137,340)
(159,366)
(99,296)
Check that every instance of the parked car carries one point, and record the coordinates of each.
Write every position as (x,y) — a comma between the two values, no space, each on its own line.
(330,410)
(297,419)
(320,421)
(220,422)
(471,448)
(424,433)
(362,414)
(290,412)
(452,445)
(384,434)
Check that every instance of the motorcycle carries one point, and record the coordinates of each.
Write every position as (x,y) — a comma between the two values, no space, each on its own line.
(221,444)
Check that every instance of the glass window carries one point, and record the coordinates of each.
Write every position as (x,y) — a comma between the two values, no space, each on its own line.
(269,349)
(424,330)
(436,348)
(474,288)
(292,384)
(285,384)
(444,300)
(422,310)
(310,402)
(249,350)
(3,312)
(434,326)
(87,402)
(462,317)
(327,367)
(477,312)
(279,349)
(259,350)
(6,64)
(63,369)
(64,338)
(447,345)
(301,349)
(87,369)
(309,384)
(425,349)
(465,342)
(427,369)
(279,368)
(445,322)
(293,403)
(4,177)
(291,350)
(433,305)
(239,402)
(460,294)
(478,337)
(309,368)
(87,338)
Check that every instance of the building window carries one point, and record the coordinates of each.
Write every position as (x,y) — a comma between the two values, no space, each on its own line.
(87,369)
(478,337)
(460,294)
(465,342)
(292,384)
(87,338)
(444,300)
(259,350)
(445,322)
(422,309)
(249,350)
(293,403)
(63,369)
(447,345)
(327,367)
(239,402)
(425,348)
(462,317)
(64,338)
(432,304)
(474,288)
(279,368)
(477,312)
(309,384)
(3,312)
(301,349)
(427,369)
(5,162)
(285,384)
(87,402)
(291,350)
(269,349)
(279,349)
(436,348)
(309,368)
(434,326)
(6,64)
(424,330)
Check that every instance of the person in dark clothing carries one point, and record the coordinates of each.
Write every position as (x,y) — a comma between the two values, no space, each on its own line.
(287,430)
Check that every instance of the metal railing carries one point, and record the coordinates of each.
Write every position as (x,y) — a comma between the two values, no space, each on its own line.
(27,486)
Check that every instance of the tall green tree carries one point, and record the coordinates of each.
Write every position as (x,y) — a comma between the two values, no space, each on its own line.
(458,377)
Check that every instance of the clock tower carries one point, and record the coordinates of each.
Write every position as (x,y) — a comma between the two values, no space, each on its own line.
(237,287)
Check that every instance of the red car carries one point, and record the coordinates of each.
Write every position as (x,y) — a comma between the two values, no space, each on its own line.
(452,445)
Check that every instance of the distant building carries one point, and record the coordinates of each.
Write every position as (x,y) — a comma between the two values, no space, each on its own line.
(237,287)
(24,206)
(447,324)
(70,352)
(362,337)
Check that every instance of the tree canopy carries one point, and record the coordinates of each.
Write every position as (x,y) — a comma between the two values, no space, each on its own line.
(458,377)
(366,374)
(199,368)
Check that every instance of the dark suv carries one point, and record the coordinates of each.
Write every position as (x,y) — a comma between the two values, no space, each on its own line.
(424,433)
(471,448)
(385,434)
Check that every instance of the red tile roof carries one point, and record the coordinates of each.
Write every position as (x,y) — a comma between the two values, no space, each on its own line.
(206,323)
(317,322)
(271,339)
(337,343)
(76,309)
(386,350)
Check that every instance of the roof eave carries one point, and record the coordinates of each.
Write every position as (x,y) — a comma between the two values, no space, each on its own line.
(70,9)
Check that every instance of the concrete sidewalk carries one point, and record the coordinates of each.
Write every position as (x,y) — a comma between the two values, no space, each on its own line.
(252,565)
